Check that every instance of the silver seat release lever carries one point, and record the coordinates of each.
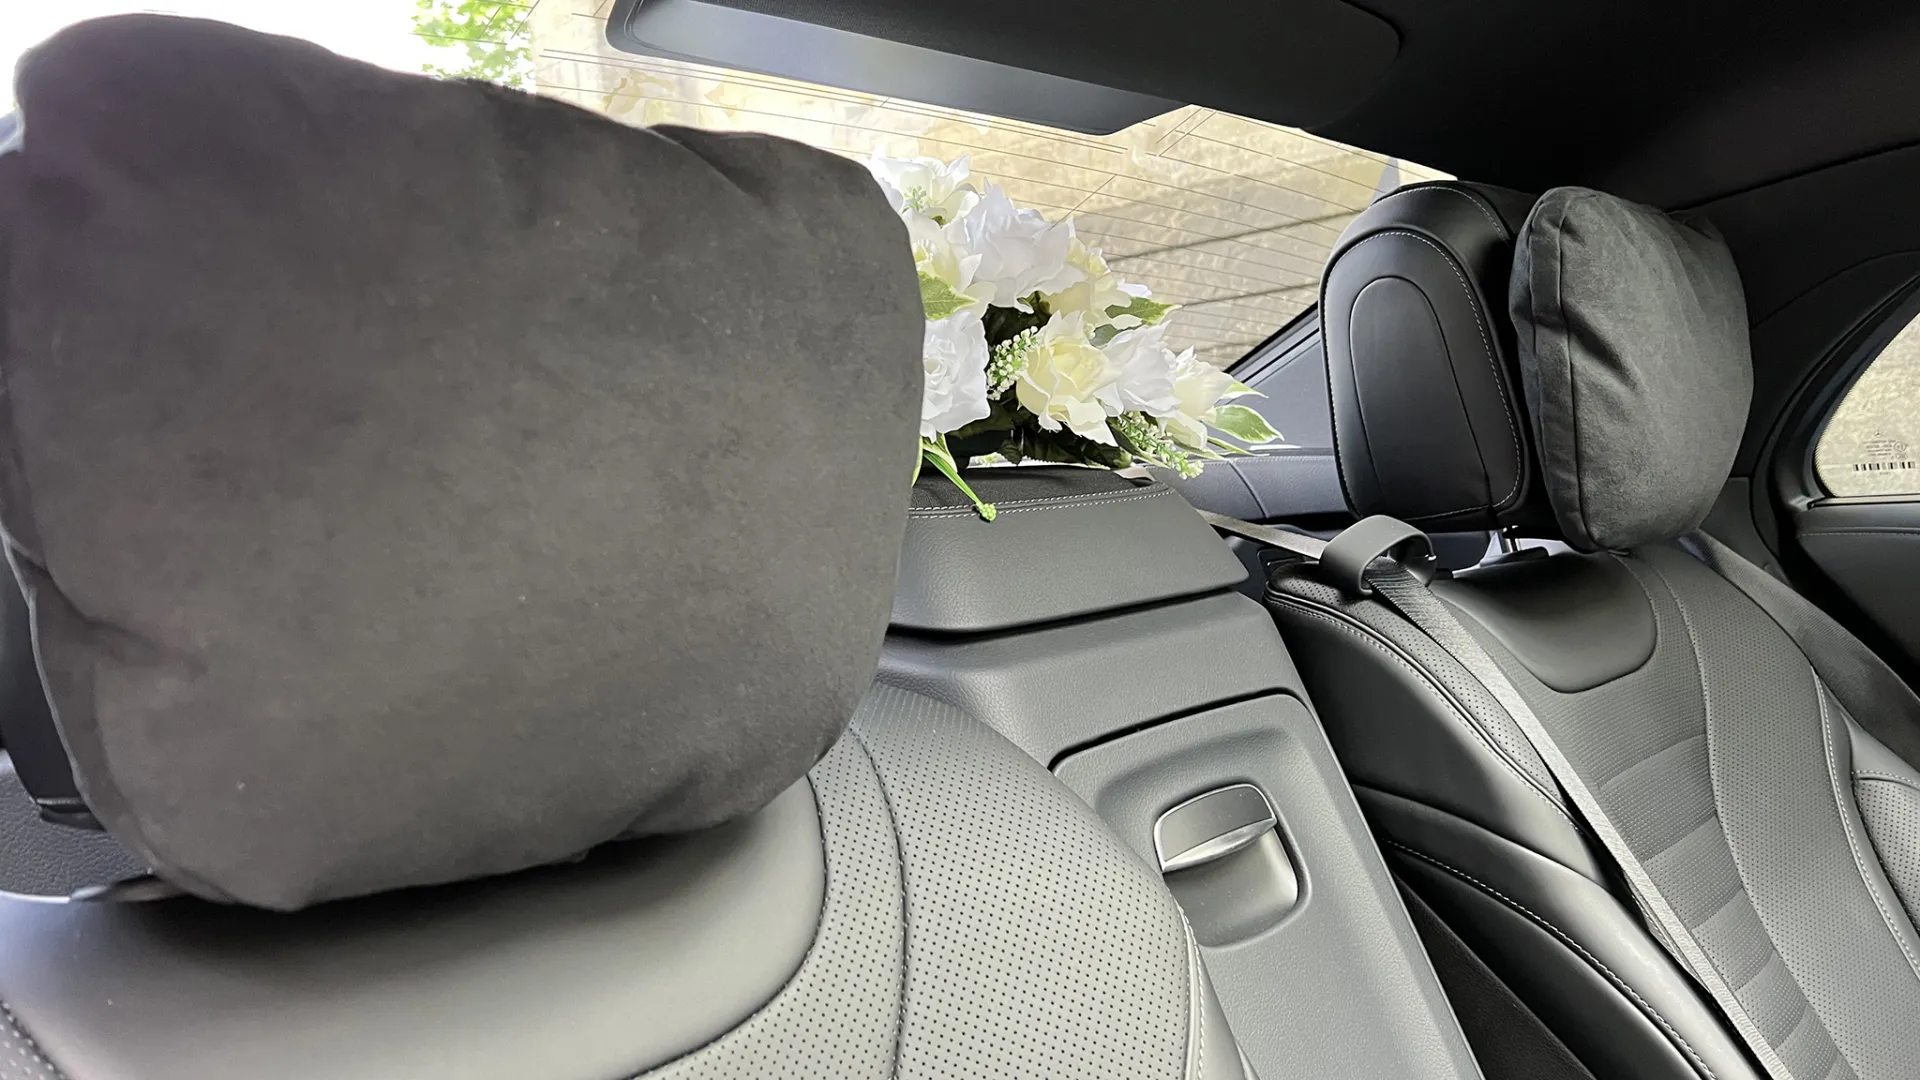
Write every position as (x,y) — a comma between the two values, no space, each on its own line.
(1211,826)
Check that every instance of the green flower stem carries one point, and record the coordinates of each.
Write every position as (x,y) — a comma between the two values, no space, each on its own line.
(942,459)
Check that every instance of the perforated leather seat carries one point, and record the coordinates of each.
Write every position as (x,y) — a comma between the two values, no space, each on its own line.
(1732,763)
(1095,625)
(495,620)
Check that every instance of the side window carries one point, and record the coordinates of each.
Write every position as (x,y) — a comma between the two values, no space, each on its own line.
(1291,375)
(1871,445)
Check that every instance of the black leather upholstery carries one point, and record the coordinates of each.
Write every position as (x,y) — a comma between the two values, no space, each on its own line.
(1700,726)
(1426,402)
(1472,821)
(1523,602)
(39,859)
(1577,957)
(1030,564)
(1104,639)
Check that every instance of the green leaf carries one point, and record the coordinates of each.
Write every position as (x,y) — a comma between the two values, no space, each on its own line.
(1239,389)
(1144,308)
(1228,448)
(1244,424)
(935,451)
(939,298)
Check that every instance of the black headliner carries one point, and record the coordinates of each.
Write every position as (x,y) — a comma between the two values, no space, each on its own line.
(1671,102)
(1792,126)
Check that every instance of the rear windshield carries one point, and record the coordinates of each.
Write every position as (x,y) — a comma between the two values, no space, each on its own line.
(1230,217)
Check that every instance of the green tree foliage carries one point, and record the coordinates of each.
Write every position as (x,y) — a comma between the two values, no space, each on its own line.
(491,34)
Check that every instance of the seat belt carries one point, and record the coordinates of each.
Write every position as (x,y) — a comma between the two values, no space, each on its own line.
(1384,577)
(1345,558)
(1877,698)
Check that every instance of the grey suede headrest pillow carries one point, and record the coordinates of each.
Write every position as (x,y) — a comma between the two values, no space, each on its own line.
(419,480)
(1633,353)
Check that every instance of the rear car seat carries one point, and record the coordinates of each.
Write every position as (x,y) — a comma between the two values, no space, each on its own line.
(1777,828)
(1095,624)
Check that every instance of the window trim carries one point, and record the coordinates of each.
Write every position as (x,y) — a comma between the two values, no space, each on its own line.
(1278,346)
(1788,460)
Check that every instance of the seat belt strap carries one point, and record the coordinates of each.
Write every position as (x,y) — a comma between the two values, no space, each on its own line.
(1407,595)
(1309,547)
(1877,698)
(1345,558)
(1403,593)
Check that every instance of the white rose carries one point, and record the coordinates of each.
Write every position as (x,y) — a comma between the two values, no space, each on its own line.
(1063,379)
(1198,388)
(926,185)
(954,353)
(1143,372)
(941,251)
(1099,290)
(1021,252)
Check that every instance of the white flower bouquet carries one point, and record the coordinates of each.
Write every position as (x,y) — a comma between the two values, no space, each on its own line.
(1036,350)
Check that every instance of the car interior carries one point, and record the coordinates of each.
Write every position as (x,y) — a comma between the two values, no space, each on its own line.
(478,615)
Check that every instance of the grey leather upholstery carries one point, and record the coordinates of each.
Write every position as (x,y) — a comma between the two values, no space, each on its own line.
(979,919)
(1144,692)
(1888,791)
(1779,830)
(963,889)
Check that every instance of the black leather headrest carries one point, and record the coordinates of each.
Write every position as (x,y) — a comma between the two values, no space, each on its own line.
(416,480)
(1427,414)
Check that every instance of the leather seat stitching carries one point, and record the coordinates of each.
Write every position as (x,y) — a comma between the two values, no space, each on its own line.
(1499,380)
(1713,771)
(1713,767)
(1493,364)
(1433,685)
(1846,825)
(1022,507)
(1616,980)
(1196,1004)
(1913,913)
(1889,778)
(900,853)
(1152,487)
(1498,226)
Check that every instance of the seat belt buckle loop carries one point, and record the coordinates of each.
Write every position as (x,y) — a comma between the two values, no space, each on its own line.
(1344,563)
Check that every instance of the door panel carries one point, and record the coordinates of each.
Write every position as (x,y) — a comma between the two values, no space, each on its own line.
(1850,483)
(1871,552)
